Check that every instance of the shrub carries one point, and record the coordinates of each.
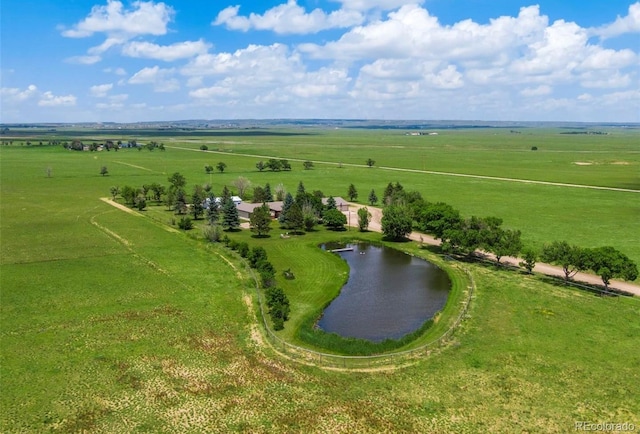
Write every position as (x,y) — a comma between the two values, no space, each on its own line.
(212,233)
(204,148)
(243,249)
(256,255)
(185,223)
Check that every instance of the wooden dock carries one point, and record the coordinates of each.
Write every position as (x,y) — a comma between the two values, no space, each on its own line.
(346,249)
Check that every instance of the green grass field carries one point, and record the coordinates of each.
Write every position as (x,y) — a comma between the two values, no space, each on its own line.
(114,323)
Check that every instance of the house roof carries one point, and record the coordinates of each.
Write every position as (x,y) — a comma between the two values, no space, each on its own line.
(339,201)
(248,207)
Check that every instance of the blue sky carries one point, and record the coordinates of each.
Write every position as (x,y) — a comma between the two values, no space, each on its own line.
(121,61)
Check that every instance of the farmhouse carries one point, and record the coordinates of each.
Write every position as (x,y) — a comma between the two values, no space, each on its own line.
(246,209)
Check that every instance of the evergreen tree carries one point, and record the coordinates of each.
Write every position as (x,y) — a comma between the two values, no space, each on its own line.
(197,200)
(286,206)
(301,190)
(213,212)
(180,201)
(226,194)
(230,218)
(295,219)
(352,193)
(372,197)
(267,193)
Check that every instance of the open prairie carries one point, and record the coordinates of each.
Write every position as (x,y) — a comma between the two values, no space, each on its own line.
(117,322)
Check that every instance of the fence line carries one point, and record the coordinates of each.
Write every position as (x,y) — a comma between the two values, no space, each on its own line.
(306,355)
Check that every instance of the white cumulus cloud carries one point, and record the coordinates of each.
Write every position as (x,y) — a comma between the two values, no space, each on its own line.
(288,18)
(100,90)
(168,53)
(145,18)
(48,99)
(161,79)
(622,25)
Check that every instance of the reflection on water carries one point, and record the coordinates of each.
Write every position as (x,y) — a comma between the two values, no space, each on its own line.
(389,294)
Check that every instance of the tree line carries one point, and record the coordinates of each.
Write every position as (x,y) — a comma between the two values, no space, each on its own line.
(406,210)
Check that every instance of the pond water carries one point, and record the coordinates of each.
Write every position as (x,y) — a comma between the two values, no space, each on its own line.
(389,294)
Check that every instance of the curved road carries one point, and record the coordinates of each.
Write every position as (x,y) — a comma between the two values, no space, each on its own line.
(549,270)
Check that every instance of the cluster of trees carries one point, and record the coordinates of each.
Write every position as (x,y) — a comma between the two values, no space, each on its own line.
(306,210)
(202,203)
(606,262)
(221,166)
(407,210)
(77,145)
(273,164)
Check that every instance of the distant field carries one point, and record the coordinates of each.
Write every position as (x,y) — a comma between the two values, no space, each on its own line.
(112,323)
(543,213)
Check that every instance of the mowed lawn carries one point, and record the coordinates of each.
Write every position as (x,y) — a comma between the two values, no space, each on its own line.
(113,323)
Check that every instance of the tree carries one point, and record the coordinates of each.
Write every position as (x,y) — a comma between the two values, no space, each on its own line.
(284,214)
(372,197)
(204,148)
(256,255)
(260,220)
(278,305)
(334,219)
(157,191)
(396,222)
(260,166)
(226,194)
(331,203)
(437,218)
(213,213)
(352,193)
(307,165)
(259,195)
(609,263)
(370,162)
(115,191)
(295,219)
(140,202)
(180,201)
(364,217)
(471,234)
(505,243)
(571,258)
(128,194)
(280,192)
(267,273)
(230,218)
(221,166)
(241,184)
(177,181)
(309,216)
(197,202)
(529,258)
(392,193)
(301,190)
(274,165)
(285,165)
(208,169)
(103,170)
(267,193)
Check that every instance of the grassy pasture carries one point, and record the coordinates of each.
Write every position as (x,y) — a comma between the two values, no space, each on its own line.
(149,330)
(543,213)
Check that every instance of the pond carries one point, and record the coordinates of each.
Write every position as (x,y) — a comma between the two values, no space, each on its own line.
(389,294)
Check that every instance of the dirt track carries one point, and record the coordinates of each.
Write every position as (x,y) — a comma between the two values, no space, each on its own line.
(547,269)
